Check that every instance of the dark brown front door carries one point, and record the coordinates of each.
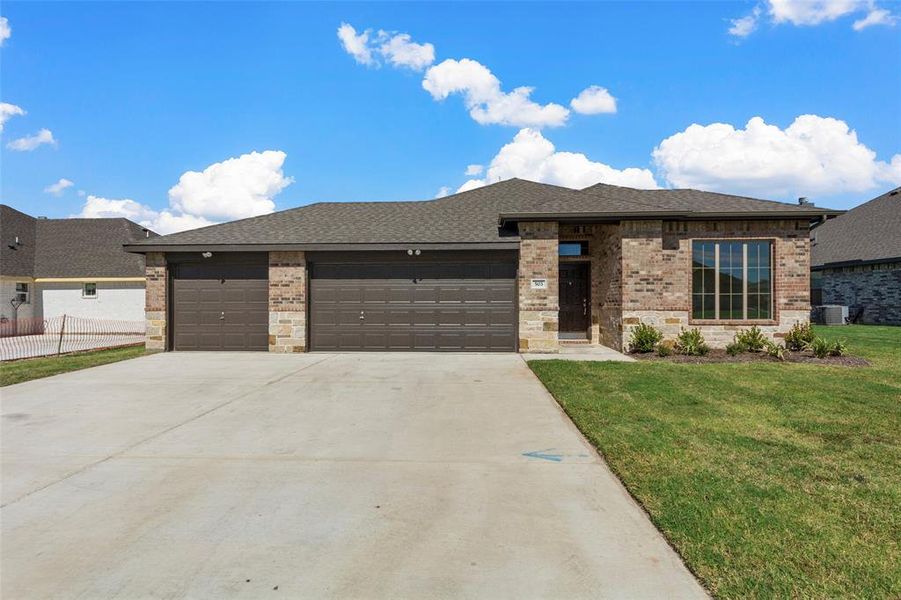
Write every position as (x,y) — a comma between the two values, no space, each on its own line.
(218,306)
(575,297)
(450,302)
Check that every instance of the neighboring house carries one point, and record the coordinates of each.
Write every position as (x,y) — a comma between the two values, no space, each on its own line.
(513,266)
(856,260)
(76,267)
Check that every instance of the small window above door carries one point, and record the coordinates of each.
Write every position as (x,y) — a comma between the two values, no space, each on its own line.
(573,249)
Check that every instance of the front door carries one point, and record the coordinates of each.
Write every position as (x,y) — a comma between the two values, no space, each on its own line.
(575,298)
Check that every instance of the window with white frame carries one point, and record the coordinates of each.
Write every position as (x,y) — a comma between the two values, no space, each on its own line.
(732,280)
(22,294)
(89,290)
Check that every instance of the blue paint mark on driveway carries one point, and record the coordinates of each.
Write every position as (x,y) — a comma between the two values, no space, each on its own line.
(547,454)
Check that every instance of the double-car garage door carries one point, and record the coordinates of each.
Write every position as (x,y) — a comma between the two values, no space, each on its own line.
(460,301)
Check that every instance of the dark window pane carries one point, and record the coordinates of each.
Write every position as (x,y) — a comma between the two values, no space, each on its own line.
(764,306)
(697,306)
(709,306)
(697,281)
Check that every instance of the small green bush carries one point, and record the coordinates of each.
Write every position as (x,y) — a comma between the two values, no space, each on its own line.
(691,343)
(799,336)
(839,348)
(775,350)
(820,347)
(644,338)
(752,339)
(735,348)
(666,347)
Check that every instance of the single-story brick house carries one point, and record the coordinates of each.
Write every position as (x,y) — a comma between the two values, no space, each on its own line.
(513,266)
(76,267)
(856,260)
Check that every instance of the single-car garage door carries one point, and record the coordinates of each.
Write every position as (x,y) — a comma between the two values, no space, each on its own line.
(217,305)
(452,302)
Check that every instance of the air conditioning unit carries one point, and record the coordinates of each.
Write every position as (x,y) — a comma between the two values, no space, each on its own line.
(834,314)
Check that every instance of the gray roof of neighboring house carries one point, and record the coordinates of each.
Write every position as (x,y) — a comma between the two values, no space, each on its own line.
(16,259)
(869,233)
(464,218)
(69,247)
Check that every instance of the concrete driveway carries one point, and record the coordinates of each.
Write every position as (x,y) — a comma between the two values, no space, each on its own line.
(353,475)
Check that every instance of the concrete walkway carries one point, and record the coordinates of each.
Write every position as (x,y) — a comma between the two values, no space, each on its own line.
(358,475)
(583,352)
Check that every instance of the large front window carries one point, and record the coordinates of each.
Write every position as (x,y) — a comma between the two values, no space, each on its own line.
(732,280)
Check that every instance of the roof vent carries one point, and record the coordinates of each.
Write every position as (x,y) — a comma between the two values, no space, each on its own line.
(41,218)
(146,232)
(803,201)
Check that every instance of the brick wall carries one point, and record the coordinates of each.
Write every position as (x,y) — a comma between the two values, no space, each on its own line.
(155,299)
(875,288)
(538,309)
(656,279)
(287,302)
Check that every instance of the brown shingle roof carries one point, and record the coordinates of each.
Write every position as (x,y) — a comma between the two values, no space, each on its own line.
(871,232)
(467,217)
(69,247)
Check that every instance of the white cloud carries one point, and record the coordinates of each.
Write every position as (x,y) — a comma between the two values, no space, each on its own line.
(232,189)
(397,48)
(357,45)
(401,51)
(483,97)
(811,13)
(30,142)
(531,156)
(5,30)
(443,191)
(472,170)
(594,100)
(7,111)
(164,221)
(812,156)
(57,188)
(877,16)
(745,26)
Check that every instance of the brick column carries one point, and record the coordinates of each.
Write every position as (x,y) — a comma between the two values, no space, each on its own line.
(538,308)
(287,302)
(156,295)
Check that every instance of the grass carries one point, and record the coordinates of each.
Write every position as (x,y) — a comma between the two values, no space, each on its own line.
(35,368)
(770,479)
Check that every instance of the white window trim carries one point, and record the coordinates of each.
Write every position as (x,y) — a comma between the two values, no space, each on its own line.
(27,291)
(88,296)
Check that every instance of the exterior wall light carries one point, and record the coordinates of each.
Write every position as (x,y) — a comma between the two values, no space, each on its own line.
(417,253)
(409,253)
(206,254)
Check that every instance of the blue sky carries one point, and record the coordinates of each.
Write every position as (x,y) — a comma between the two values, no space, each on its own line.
(136,95)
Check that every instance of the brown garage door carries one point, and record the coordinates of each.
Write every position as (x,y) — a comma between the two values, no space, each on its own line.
(220,306)
(414,304)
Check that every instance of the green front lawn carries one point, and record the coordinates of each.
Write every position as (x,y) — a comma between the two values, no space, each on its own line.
(26,369)
(770,479)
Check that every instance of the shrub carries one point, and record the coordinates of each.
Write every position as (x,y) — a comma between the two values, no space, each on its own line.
(735,348)
(666,347)
(839,348)
(820,347)
(644,338)
(691,343)
(775,350)
(752,339)
(799,336)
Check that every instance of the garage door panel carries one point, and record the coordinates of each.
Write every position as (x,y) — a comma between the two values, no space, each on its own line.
(220,306)
(441,306)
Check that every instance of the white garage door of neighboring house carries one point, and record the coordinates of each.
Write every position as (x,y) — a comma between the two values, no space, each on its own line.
(121,301)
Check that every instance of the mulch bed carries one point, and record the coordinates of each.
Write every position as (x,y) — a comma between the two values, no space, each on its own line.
(720,356)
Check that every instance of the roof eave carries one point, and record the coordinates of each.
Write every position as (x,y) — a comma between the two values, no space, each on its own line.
(583,217)
(322,247)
